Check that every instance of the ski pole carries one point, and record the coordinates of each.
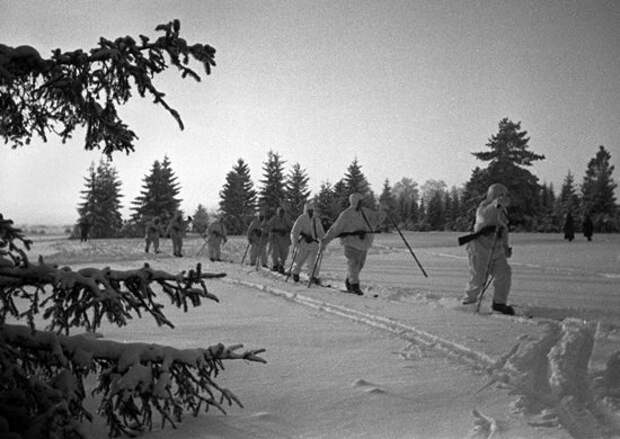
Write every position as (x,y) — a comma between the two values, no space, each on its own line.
(408,246)
(487,281)
(317,262)
(247,247)
(199,252)
(293,256)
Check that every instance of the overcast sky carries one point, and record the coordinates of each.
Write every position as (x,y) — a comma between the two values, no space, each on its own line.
(409,88)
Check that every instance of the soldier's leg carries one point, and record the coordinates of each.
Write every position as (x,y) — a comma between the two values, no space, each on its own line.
(274,251)
(478,259)
(502,281)
(218,250)
(156,244)
(263,254)
(253,253)
(301,256)
(354,257)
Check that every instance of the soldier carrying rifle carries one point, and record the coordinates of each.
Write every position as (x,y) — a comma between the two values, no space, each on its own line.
(488,250)
(355,226)
(216,236)
(306,234)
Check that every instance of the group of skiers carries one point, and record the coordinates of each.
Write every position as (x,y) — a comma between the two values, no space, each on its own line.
(175,228)
(487,248)
(355,226)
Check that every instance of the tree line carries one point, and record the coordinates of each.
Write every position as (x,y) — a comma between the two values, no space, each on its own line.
(431,206)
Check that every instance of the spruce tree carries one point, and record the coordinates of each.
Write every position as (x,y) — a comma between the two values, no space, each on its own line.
(200,220)
(272,193)
(435,211)
(327,204)
(158,196)
(547,220)
(388,203)
(407,196)
(355,181)
(101,205)
(508,159)
(597,191)
(238,199)
(297,191)
(46,371)
(568,199)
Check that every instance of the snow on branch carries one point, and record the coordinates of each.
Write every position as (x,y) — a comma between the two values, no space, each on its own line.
(135,377)
(75,88)
(42,373)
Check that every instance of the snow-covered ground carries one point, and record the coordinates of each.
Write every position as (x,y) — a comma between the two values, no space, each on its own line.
(409,363)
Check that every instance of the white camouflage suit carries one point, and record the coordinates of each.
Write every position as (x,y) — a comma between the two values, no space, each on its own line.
(305,235)
(216,236)
(355,247)
(491,211)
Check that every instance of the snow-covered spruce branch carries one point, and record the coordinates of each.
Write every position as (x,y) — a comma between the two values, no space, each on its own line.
(135,378)
(82,298)
(76,88)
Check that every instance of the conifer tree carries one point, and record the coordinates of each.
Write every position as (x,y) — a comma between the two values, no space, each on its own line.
(297,191)
(435,212)
(508,159)
(159,194)
(407,195)
(200,220)
(341,197)
(272,193)
(388,203)
(355,181)
(238,199)
(101,205)
(44,371)
(568,199)
(327,204)
(547,220)
(598,189)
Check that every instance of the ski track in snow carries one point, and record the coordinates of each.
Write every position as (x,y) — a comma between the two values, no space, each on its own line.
(555,359)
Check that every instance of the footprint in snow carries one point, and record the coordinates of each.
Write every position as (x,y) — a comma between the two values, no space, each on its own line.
(368,387)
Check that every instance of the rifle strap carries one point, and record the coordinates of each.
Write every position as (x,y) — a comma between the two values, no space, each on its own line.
(365,219)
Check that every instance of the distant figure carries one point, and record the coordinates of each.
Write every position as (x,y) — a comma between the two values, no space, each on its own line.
(152,233)
(588,227)
(279,239)
(487,255)
(85,225)
(355,226)
(257,237)
(569,227)
(216,236)
(176,230)
(306,234)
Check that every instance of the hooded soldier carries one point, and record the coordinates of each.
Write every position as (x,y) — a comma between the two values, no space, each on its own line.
(487,254)
(306,235)
(216,236)
(152,233)
(176,230)
(279,239)
(355,227)
(257,237)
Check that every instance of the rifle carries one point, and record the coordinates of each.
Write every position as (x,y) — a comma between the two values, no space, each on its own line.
(359,233)
(486,230)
